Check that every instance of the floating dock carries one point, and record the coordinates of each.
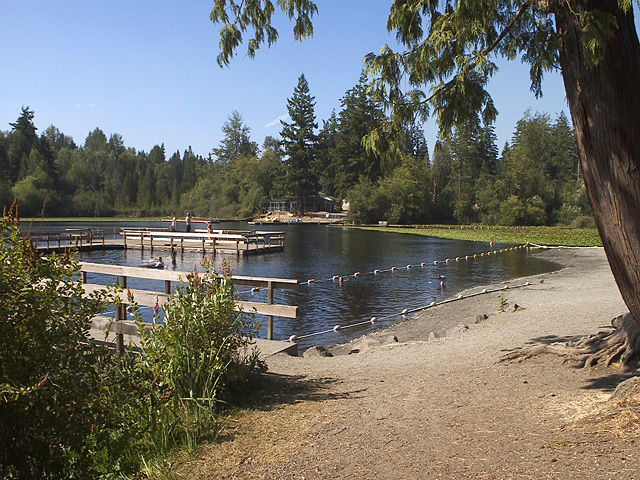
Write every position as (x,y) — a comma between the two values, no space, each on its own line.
(228,242)
(234,242)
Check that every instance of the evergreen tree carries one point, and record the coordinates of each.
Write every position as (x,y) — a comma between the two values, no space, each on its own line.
(300,144)
(236,142)
(23,139)
(350,159)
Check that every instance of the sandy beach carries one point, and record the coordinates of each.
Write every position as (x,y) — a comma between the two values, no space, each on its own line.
(428,398)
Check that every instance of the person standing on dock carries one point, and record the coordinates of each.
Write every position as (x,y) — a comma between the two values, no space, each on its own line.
(188,222)
(174,223)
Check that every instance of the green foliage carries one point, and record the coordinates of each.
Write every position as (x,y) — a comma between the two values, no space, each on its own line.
(236,18)
(70,408)
(236,142)
(199,357)
(503,303)
(572,237)
(62,409)
(299,143)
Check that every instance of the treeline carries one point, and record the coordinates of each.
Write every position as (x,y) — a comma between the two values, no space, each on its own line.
(535,180)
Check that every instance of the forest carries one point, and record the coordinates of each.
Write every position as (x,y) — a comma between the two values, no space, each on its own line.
(534,180)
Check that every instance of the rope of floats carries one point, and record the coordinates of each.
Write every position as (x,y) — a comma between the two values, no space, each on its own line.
(407,311)
(334,278)
(417,265)
(423,264)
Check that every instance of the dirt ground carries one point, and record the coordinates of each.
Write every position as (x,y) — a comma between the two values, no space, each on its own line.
(406,403)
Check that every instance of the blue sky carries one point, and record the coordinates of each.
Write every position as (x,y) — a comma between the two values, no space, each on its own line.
(147,70)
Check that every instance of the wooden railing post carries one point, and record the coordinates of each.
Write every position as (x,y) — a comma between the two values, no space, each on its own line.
(142,241)
(269,317)
(121,314)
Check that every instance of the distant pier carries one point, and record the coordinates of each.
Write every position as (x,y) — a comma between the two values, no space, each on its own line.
(228,242)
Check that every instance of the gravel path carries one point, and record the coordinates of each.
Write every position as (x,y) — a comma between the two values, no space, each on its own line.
(427,399)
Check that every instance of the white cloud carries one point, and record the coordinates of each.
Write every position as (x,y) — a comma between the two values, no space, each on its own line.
(276,121)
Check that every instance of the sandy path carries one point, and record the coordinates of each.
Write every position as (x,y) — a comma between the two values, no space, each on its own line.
(443,407)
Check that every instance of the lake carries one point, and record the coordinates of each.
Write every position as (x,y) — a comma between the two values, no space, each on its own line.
(321,252)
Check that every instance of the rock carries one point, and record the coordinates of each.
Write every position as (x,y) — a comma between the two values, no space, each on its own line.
(317,351)
(515,307)
(355,350)
(629,385)
(481,318)
(432,336)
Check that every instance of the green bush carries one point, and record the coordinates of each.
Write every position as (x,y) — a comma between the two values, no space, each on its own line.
(58,392)
(70,408)
(199,357)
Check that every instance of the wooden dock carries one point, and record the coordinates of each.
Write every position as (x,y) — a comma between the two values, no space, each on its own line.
(228,242)
(234,242)
(120,332)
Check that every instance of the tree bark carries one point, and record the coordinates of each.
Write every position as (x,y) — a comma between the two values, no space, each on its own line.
(605,108)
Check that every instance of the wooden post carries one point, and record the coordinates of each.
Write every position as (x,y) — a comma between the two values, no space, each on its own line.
(142,241)
(121,314)
(151,243)
(237,247)
(167,287)
(59,248)
(203,250)
(182,244)
(90,239)
(124,238)
(269,317)
(214,246)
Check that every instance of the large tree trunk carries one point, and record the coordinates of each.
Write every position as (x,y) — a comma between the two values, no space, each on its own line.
(605,107)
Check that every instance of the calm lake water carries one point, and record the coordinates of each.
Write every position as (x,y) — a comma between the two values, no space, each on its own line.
(321,252)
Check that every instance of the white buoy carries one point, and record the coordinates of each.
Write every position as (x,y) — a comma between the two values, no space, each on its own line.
(405,311)
(432,304)
(376,271)
(393,268)
(435,262)
(293,338)
(484,290)
(408,266)
(336,328)
(459,295)
(457,259)
(528,283)
(374,320)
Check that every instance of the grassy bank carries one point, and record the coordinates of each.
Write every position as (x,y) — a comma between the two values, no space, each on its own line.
(551,236)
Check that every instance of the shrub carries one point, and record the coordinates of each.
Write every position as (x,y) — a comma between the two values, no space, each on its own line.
(58,391)
(199,356)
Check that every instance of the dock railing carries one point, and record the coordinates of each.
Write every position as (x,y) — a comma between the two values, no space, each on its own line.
(69,237)
(120,326)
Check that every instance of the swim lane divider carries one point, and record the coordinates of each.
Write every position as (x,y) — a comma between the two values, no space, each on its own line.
(406,311)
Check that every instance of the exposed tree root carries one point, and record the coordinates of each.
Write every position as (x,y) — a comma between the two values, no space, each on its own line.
(620,345)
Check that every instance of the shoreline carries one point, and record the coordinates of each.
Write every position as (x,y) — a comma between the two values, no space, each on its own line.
(429,406)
